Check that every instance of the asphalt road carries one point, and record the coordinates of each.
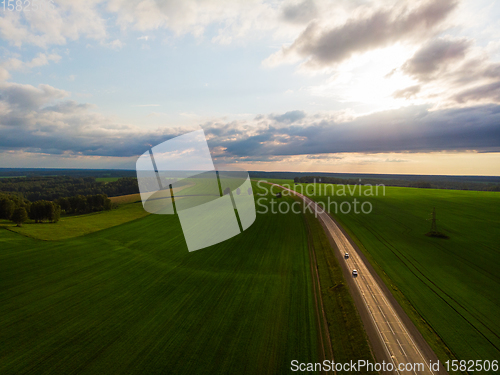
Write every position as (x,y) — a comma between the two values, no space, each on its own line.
(397,341)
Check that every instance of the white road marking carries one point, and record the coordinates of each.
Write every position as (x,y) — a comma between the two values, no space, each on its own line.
(345,246)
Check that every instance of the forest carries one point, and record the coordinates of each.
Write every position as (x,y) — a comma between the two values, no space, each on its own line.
(54,187)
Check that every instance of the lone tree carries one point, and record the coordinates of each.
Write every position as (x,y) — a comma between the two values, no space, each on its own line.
(19,216)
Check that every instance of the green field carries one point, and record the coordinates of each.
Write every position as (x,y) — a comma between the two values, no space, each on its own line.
(132,299)
(452,283)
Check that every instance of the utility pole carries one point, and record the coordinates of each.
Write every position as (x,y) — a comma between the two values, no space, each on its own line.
(433,222)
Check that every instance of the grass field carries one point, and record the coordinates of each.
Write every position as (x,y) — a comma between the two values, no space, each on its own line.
(132,299)
(453,284)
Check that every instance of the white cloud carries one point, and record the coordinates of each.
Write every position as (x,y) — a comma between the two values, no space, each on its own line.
(235,19)
(68,21)
(4,74)
(115,44)
(27,97)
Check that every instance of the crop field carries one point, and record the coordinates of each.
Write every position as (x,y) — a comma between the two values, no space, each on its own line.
(452,283)
(132,299)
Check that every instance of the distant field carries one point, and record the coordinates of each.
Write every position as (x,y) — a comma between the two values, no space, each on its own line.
(454,284)
(130,198)
(107,179)
(132,299)
(73,226)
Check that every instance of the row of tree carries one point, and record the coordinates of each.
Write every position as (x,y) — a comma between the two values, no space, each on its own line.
(84,204)
(437,184)
(18,210)
(41,211)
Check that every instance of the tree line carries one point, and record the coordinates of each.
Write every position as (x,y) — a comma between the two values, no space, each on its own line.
(81,204)
(18,209)
(478,186)
(51,188)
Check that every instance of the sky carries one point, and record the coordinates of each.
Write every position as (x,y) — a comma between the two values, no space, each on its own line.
(382,86)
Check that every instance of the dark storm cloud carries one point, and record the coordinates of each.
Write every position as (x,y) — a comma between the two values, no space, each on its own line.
(413,129)
(327,46)
(76,141)
(435,55)
(69,127)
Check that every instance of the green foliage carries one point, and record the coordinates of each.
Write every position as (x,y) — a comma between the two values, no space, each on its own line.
(80,204)
(9,203)
(7,207)
(19,216)
(45,211)
(54,187)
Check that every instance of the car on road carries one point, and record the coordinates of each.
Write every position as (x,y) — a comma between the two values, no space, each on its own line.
(346,255)
(354,273)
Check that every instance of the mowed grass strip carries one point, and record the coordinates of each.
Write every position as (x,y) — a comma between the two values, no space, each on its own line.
(79,225)
(132,299)
(448,287)
(129,198)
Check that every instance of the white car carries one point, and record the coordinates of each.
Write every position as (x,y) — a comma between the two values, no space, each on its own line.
(346,255)
(354,273)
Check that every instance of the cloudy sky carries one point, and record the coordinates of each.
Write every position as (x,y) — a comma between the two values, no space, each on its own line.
(383,86)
